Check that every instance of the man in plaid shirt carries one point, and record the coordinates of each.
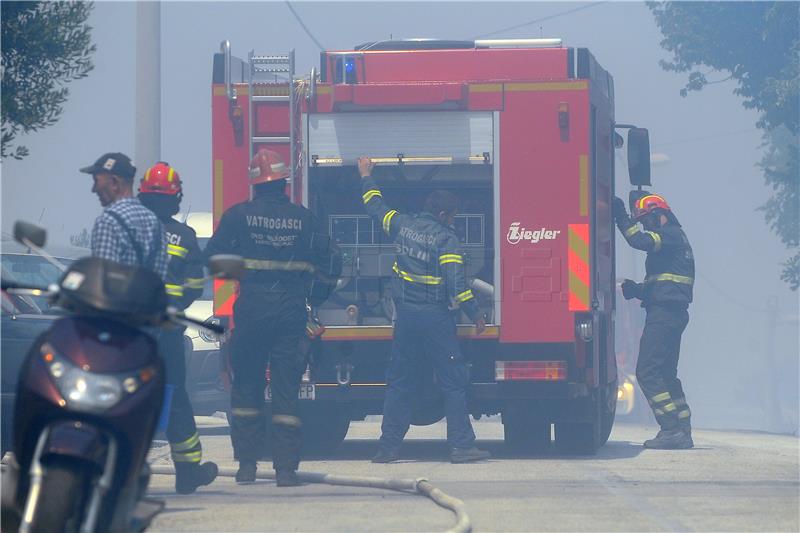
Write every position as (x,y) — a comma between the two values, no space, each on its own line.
(126,232)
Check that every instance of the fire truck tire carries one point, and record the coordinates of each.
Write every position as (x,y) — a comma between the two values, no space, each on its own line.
(427,413)
(324,428)
(524,430)
(581,437)
(428,403)
(609,410)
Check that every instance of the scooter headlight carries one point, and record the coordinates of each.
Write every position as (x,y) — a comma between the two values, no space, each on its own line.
(86,391)
(90,391)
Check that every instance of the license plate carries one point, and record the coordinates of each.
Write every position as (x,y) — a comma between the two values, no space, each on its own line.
(308,391)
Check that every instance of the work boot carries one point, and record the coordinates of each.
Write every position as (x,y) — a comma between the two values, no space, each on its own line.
(468,455)
(246,473)
(287,478)
(189,476)
(686,425)
(386,456)
(670,439)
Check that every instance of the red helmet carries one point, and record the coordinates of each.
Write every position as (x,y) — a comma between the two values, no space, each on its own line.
(161,179)
(648,204)
(267,166)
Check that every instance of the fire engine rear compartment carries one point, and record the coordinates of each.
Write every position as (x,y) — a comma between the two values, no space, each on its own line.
(363,296)
(417,153)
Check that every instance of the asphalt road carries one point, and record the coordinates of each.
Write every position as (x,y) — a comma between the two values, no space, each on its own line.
(731,481)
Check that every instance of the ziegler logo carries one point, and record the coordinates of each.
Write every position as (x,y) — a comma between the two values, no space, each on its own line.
(516,233)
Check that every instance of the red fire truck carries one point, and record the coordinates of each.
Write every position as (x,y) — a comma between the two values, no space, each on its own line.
(523,131)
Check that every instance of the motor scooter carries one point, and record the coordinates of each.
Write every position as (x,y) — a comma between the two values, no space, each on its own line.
(89,396)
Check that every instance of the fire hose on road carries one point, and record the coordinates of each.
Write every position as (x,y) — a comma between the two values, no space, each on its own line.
(419,486)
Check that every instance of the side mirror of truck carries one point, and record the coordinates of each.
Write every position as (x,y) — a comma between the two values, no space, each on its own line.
(27,234)
(639,156)
(226,266)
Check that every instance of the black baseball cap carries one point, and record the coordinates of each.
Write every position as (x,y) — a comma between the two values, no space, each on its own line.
(115,163)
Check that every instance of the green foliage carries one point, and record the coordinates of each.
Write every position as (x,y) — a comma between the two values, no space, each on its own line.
(758,45)
(781,171)
(45,45)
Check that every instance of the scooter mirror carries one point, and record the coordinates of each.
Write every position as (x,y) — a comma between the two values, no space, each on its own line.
(25,233)
(226,266)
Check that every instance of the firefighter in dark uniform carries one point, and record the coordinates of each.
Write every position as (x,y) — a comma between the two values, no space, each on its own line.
(428,275)
(665,294)
(285,251)
(161,192)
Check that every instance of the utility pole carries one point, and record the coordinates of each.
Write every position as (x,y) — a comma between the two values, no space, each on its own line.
(148,84)
(773,389)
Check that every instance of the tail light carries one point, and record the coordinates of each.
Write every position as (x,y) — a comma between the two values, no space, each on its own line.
(584,329)
(530,370)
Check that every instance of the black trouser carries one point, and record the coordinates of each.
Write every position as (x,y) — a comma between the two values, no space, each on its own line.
(182,433)
(269,328)
(426,334)
(657,366)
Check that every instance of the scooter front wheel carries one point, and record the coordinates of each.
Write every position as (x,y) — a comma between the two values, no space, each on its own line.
(64,490)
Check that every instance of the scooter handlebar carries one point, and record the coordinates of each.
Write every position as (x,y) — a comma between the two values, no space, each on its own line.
(181,318)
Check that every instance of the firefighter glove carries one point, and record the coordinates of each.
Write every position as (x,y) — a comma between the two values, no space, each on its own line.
(619,211)
(631,289)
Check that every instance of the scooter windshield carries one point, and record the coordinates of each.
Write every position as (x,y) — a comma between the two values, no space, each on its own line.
(93,285)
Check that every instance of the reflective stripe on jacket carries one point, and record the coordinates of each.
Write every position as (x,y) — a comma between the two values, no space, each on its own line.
(284,247)
(669,266)
(429,265)
(184,264)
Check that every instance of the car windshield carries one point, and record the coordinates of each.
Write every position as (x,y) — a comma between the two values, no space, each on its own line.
(31,270)
(28,269)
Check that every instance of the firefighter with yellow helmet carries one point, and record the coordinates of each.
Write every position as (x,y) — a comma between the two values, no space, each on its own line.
(290,261)
(665,294)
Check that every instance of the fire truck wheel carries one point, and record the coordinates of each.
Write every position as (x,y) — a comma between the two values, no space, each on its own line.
(427,413)
(428,403)
(581,437)
(609,410)
(324,428)
(525,431)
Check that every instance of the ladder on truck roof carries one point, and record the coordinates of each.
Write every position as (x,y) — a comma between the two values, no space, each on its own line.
(267,74)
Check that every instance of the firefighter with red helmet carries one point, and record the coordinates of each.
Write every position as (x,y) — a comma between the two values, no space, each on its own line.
(161,191)
(290,261)
(665,294)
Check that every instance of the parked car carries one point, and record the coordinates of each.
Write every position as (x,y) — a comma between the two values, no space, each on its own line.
(24,318)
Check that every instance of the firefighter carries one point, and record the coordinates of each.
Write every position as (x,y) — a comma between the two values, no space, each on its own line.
(429,273)
(285,251)
(161,192)
(665,294)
